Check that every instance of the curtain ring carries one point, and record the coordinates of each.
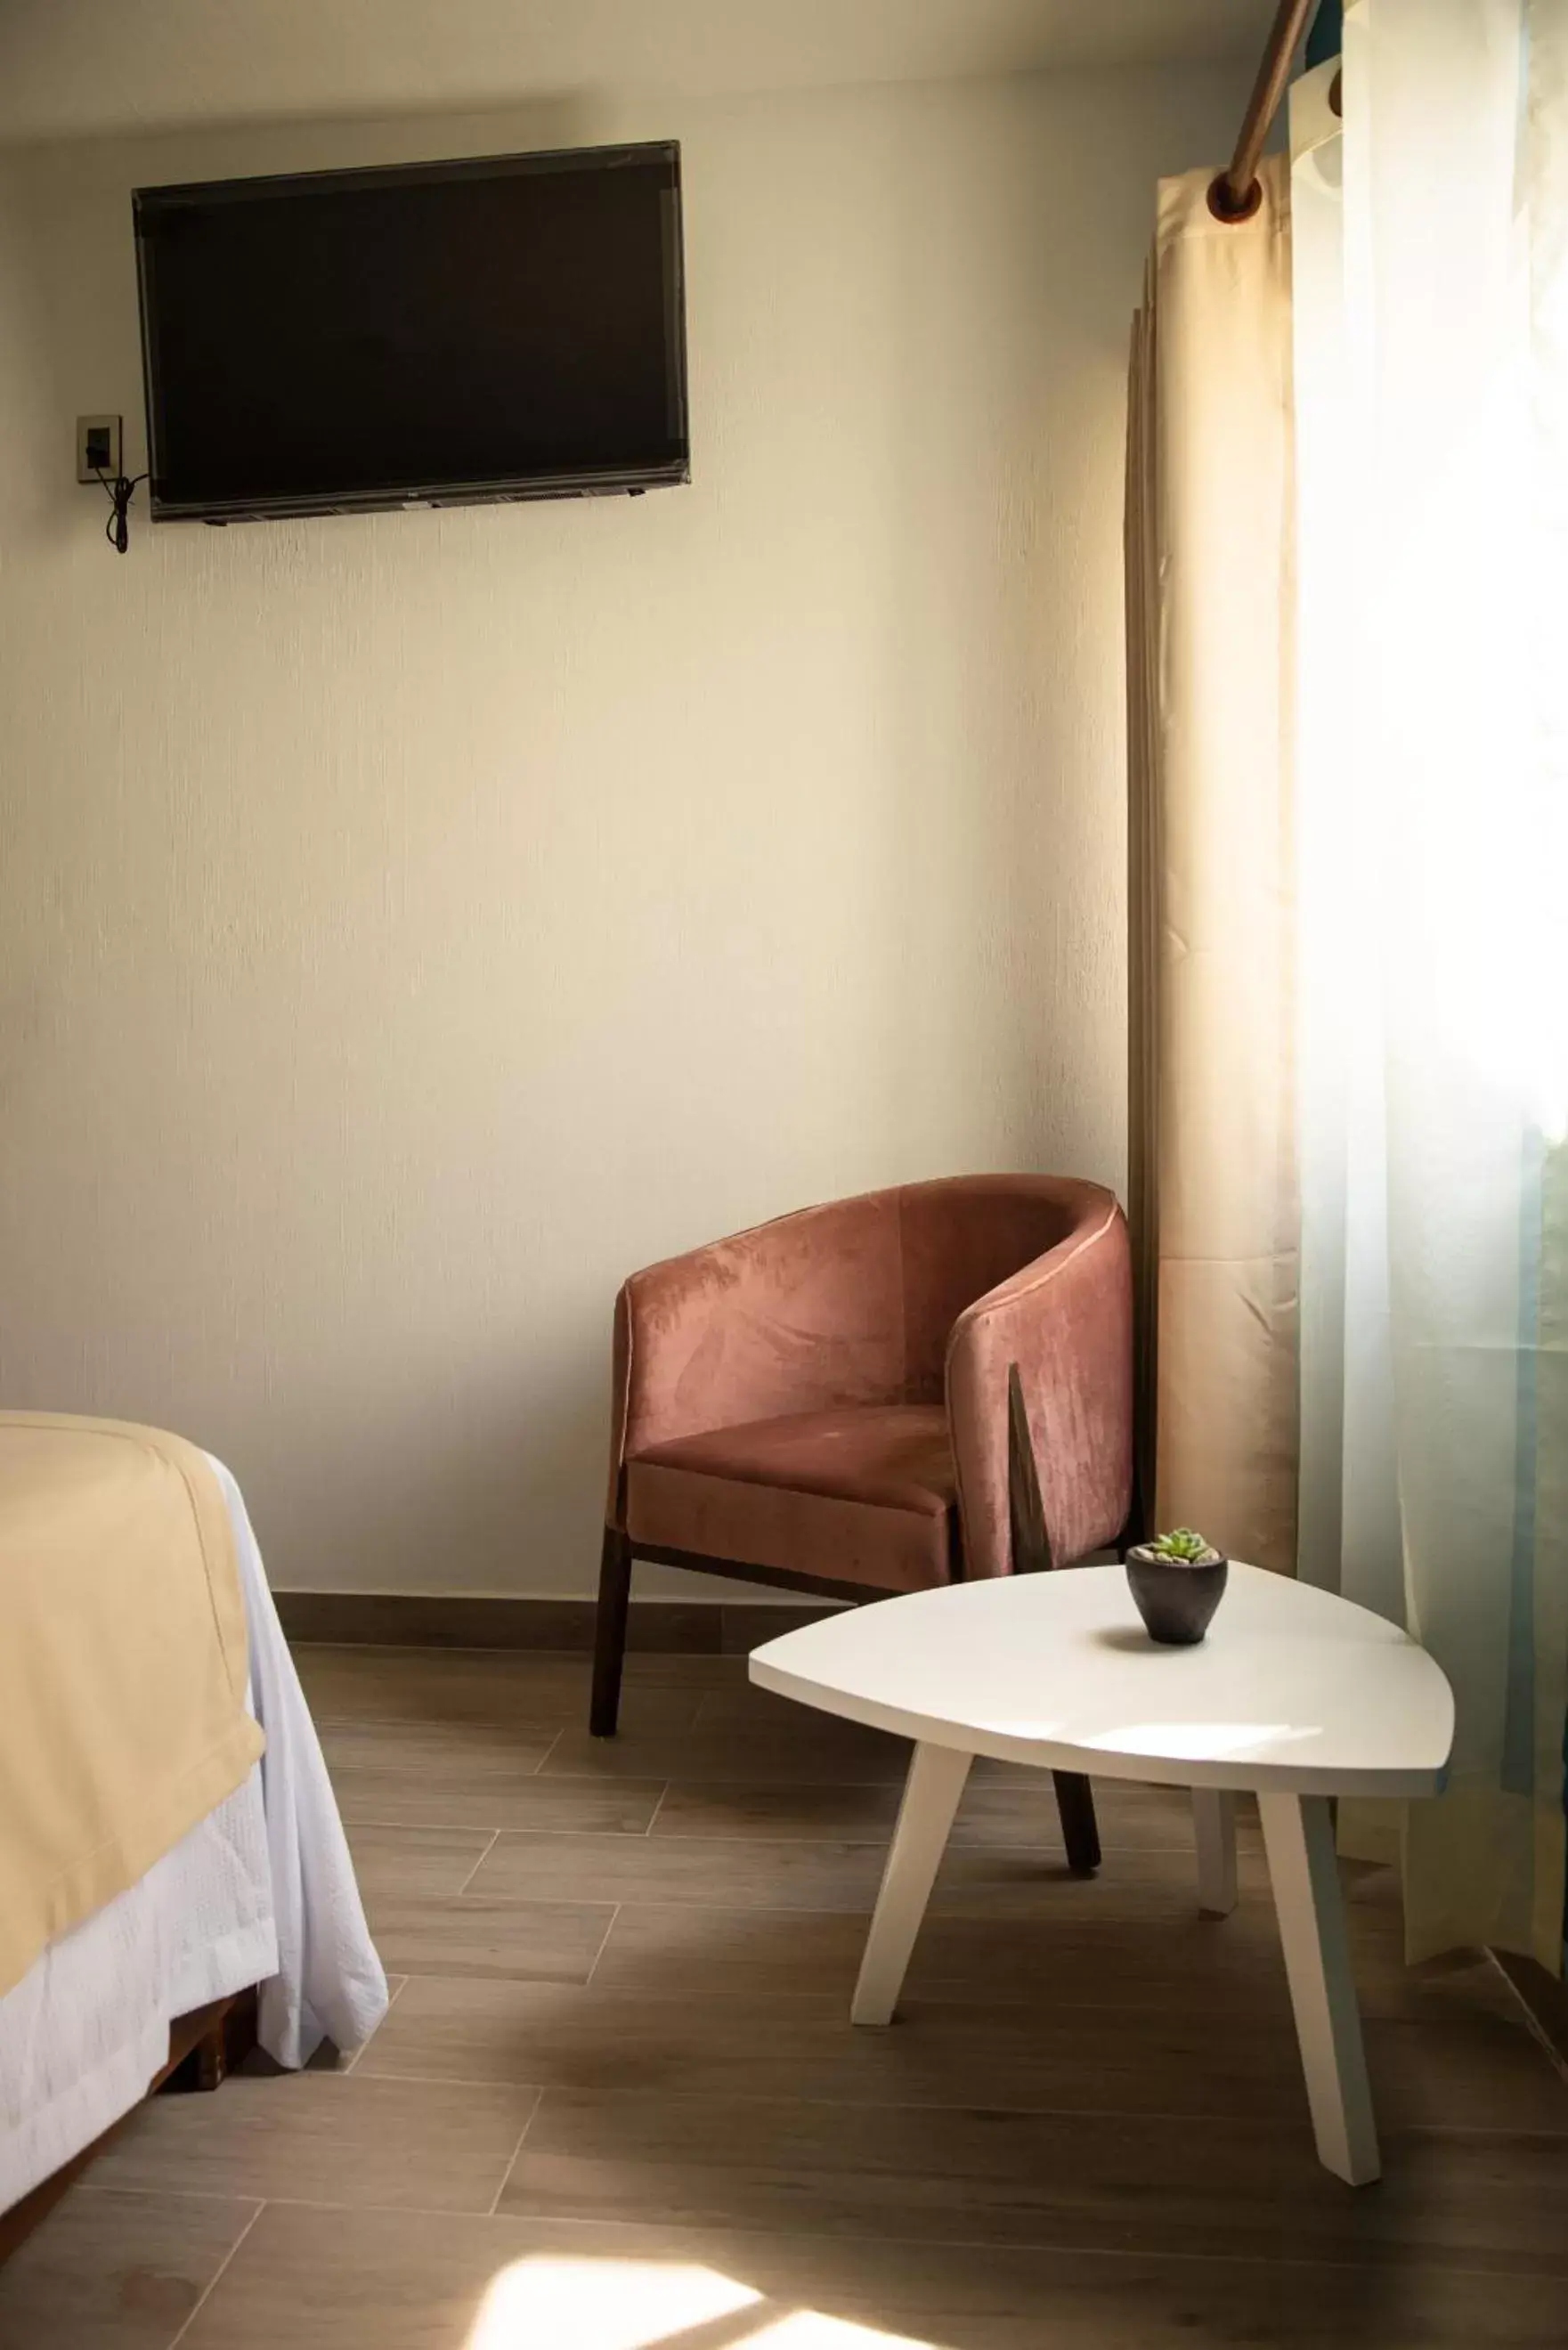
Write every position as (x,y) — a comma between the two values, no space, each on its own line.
(1223,206)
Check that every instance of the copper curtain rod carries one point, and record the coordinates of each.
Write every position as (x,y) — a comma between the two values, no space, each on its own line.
(1236,193)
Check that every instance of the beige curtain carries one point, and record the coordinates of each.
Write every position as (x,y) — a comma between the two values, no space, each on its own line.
(1213,1174)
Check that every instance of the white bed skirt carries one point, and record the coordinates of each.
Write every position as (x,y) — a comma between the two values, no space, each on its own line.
(261,1891)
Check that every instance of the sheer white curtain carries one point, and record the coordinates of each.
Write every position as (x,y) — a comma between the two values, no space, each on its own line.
(1431,335)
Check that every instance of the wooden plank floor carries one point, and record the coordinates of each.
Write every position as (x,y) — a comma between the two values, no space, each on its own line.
(618,2101)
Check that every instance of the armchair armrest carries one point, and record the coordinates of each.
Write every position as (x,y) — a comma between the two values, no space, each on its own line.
(1066,1321)
(801,1315)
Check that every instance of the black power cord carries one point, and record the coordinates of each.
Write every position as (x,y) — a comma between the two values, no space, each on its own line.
(119,493)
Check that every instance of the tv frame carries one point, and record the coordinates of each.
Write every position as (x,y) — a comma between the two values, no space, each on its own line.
(595,482)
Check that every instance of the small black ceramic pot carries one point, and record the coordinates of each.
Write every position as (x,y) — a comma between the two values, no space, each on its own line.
(1176,1597)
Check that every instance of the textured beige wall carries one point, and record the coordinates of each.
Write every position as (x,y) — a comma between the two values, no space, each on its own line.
(407,924)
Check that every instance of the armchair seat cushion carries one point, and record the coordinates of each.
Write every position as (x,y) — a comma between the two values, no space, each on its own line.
(867,1495)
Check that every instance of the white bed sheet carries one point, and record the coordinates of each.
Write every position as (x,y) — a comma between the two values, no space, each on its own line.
(262,1890)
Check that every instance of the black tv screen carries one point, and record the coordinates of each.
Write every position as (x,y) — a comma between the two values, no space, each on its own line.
(434,334)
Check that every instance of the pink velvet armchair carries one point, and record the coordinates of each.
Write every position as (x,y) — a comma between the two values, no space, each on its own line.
(891,1392)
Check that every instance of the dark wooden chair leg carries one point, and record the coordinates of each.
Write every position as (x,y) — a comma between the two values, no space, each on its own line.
(1080,1829)
(609,1633)
(1138,1528)
(1031,1555)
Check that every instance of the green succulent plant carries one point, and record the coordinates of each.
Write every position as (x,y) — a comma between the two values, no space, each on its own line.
(1182,1544)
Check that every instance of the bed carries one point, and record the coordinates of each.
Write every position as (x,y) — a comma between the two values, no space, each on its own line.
(260,1892)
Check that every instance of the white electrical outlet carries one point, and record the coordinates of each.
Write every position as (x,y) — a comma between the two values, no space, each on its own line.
(97,448)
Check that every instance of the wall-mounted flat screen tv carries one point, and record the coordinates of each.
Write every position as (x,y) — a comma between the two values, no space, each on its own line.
(440,334)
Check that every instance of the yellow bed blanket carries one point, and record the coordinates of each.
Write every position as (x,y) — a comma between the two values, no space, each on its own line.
(122,1664)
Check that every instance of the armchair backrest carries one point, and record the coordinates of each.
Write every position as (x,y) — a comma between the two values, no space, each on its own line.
(799,1315)
(956,1240)
(908,1296)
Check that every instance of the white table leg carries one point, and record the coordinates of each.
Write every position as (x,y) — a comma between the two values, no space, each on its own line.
(931,1793)
(1214,1826)
(1298,1834)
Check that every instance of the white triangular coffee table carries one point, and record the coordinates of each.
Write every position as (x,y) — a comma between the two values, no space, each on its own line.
(1295,1695)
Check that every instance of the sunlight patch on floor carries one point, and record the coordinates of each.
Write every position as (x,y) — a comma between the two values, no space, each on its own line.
(547,2304)
(807,2329)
